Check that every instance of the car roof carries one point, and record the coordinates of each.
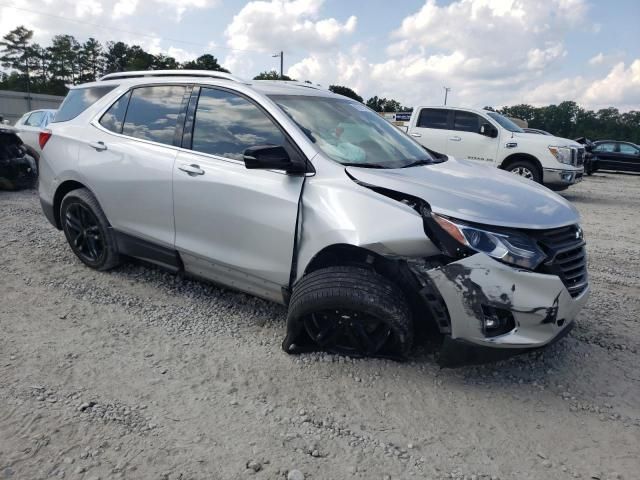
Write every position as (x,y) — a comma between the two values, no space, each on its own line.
(206,77)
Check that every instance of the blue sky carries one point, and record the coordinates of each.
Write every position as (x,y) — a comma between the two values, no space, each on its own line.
(490,52)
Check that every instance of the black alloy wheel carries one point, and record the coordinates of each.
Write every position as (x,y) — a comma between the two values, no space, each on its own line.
(85,235)
(88,231)
(348,332)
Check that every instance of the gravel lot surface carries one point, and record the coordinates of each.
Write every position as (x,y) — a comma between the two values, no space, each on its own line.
(137,373)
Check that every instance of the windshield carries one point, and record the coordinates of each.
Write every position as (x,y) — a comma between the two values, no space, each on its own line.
(350,133)
(505,122)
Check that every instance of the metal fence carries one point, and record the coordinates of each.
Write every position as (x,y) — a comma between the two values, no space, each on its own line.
(15,104)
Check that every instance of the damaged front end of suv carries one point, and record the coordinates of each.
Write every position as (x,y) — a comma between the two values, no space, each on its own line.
(17,168)
(492,264)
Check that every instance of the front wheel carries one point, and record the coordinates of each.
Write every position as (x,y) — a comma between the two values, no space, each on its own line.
(526,169)
(351,311)
(88,231)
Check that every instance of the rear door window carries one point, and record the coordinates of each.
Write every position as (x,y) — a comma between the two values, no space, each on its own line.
(434,118)
(466,121)
(226,124)
(78,100)
(153,113)
(113,119)
(628,149)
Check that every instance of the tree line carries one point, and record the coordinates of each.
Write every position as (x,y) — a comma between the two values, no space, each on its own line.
(569,120)
(48,69)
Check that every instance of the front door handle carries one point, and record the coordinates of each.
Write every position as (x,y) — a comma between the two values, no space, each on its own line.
(191,169)
(415,134)
(99,146)
(455,139)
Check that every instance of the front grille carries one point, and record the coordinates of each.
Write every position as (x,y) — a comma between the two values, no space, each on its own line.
(577,156)
(565,248)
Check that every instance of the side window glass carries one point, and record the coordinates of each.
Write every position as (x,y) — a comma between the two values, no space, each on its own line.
(35,119)
(433,118)
(466,122)
(153,112)
(628,149)
(113,119)
(227,124)
(605,147)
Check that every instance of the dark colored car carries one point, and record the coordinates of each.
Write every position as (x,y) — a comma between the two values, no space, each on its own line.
(17,168)
(614,155)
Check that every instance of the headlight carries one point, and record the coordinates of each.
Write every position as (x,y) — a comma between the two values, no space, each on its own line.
(510,248)
(562,154)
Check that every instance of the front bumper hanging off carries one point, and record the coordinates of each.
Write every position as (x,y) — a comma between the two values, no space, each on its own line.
(481,293)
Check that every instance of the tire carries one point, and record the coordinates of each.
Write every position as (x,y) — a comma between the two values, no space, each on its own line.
(88,231)
(527,169)
(349,310)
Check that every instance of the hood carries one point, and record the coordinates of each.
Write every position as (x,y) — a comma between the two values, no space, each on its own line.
(546,140)
(476,193)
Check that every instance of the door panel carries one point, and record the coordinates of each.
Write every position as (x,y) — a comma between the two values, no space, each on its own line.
(234,225)
(431,129)
(132,180)
(466,143)
(132,172)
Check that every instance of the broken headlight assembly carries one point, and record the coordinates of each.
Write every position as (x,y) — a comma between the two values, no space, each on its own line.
(508,247)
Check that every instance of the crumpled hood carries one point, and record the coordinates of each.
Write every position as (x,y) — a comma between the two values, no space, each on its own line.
(476,193)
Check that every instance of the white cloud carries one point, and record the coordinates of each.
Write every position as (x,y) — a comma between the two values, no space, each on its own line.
(597,59)
(621,87)
(274,25)
(124,8)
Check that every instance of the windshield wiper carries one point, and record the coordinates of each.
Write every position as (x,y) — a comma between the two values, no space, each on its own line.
(423,161)
(363,165)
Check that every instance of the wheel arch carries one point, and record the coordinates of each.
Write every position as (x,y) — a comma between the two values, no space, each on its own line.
(64,188)
(514,157)
(394,269)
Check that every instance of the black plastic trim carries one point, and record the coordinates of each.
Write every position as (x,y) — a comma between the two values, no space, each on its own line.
(47,209)
(145,250)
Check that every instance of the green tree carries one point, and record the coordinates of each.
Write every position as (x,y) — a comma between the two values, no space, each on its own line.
(16,53)
(345,91)
(91,58)
(272,75)
(116,57)
(64,54)
(205,62)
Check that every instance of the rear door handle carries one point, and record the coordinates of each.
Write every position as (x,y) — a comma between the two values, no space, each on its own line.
(455,139)
(415,134)
(192,169)
(99,146)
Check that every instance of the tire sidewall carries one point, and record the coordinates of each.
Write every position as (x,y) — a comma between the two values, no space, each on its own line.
(106,259)
(537,174)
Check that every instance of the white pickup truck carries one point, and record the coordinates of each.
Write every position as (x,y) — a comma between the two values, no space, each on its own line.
(490,138)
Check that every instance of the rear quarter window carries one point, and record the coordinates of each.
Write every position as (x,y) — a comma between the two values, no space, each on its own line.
(78,100)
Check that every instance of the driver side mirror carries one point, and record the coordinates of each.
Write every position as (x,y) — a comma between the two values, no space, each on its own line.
(488,130)
(271,157)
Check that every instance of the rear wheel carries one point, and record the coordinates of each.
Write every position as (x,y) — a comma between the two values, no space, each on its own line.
(526,169)
(351,311)
(87,230)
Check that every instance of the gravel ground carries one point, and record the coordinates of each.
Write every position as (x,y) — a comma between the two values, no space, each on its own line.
(137,373)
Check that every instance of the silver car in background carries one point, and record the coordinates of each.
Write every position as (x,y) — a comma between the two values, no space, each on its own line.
(310,199)
(31,125)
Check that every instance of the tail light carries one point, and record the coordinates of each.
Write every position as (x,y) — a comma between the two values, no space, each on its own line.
(44,137)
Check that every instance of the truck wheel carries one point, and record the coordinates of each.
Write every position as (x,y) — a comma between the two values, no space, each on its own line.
(351,311)
(526,169)
(88,231)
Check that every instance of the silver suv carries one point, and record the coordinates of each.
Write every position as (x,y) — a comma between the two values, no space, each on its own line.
(310,199)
